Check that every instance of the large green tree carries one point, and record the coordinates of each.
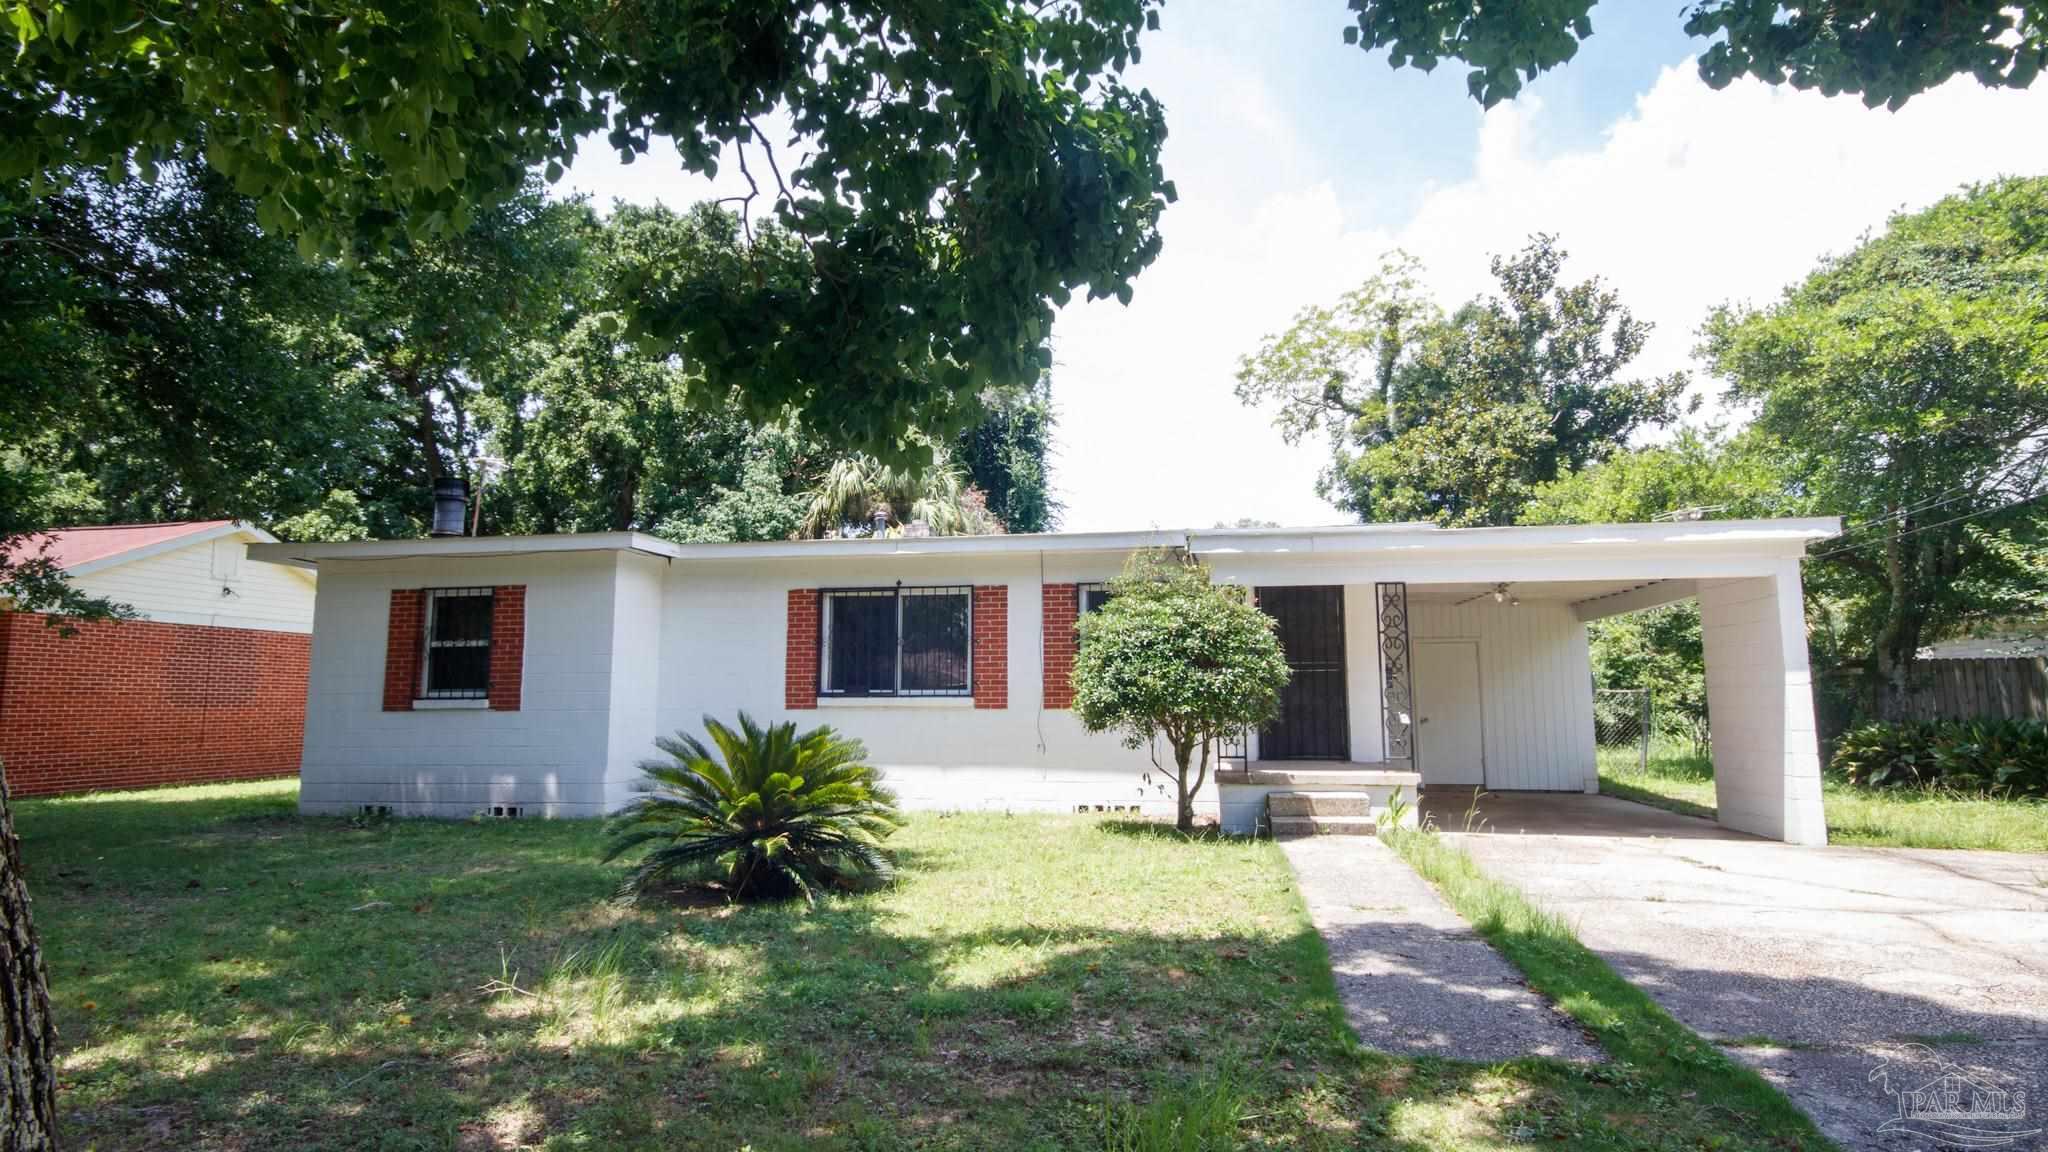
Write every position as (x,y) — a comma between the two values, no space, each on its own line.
(1457,418)
(958,168)
(1905,384)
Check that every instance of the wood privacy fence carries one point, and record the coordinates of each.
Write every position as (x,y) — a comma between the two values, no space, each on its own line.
(1987,686)
(1844,698)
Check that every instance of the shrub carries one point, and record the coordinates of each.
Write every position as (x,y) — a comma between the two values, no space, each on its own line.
(781,815)
(2005,757)
(1175,656)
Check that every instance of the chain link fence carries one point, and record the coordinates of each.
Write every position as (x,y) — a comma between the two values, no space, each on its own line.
(1622,724)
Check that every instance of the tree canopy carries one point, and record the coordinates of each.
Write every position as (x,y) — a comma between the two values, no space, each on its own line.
(954,171)
(1906,385)
(1886,51)
(165,358)
(1456,418)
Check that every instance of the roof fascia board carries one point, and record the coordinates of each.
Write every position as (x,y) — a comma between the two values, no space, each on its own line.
(1753,537)
(1789,536)
(309,555)
(160,547)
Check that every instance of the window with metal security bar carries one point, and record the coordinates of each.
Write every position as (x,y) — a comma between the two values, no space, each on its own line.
(1092,596)
(896,641)
(458,649)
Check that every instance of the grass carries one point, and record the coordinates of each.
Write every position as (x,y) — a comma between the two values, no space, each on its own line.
(1674,1067)
(228,975)
(1893,818)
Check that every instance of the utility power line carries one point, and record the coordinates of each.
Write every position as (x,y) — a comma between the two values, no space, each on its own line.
(1936,524)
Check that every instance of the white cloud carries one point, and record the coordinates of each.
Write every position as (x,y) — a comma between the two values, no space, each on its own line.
(1694,198)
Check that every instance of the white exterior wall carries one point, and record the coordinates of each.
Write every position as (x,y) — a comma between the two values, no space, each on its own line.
(1535,689)
(622,644)
(1760,694)
(554,756)
(210,582)
(724,646)
(638,622)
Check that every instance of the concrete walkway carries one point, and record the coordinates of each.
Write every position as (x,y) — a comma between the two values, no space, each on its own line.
(1842,974)
(1414,978)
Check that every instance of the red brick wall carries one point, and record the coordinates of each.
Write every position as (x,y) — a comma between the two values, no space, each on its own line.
(508,645)
(1061,607)
(137,703)
(991,646)
(800,654)
(404,634)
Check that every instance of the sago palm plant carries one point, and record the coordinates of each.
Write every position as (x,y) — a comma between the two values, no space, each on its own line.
(774,814)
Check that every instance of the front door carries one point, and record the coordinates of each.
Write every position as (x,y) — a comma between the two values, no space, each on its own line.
(1313,723)
(1450,744)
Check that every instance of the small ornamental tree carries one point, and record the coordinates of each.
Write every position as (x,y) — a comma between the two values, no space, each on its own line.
(1172,655)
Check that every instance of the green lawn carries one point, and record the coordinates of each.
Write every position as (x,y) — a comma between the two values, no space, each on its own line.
(231,976)
(1896,818)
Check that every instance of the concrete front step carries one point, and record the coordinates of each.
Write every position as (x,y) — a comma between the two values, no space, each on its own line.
(1325,803)
(1291,827)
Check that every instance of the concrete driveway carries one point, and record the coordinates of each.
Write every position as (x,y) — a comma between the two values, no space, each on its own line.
(1839,973)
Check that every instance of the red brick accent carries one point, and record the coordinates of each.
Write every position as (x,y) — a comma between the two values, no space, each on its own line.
(1060,609)
(135,703)
(508,645)
(800,655)
(991,646)
(403,636)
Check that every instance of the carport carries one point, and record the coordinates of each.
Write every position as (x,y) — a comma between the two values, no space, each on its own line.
(1459,659)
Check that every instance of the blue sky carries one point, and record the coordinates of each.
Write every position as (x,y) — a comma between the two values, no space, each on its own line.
(1301,160)
(1382,134)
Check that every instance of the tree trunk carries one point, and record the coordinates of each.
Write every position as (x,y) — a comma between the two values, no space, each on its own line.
(1898,639)
(1188,783)
(28,1101)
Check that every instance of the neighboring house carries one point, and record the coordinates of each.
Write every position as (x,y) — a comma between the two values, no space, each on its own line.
(530,675)
(209,683)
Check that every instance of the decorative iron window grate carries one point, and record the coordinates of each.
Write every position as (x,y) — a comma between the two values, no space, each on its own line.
(1397,686)
(458,650)
(896,641)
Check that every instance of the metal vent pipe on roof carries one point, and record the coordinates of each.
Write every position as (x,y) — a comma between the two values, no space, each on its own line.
(451,501)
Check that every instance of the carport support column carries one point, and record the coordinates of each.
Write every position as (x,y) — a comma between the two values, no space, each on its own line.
(1760,699)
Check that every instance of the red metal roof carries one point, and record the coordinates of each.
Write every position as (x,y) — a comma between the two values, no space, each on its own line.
(71,547)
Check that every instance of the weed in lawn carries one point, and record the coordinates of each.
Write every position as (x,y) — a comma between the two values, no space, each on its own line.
(1200,1117)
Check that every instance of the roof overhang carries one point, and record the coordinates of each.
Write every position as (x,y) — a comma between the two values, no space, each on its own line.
(1787,537)
(172,544)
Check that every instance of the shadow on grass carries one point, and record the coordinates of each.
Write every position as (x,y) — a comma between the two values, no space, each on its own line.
(240,977)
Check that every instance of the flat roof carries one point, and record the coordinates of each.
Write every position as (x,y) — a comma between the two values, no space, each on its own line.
(1786,535)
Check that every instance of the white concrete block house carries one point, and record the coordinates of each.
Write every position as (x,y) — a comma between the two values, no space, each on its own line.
(530,675)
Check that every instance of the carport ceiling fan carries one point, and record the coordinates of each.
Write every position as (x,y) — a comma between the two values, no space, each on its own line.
(1500,593)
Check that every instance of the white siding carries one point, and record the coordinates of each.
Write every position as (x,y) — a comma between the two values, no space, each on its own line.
(724,642)
(551,756)
(211,583)
(1535,684)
